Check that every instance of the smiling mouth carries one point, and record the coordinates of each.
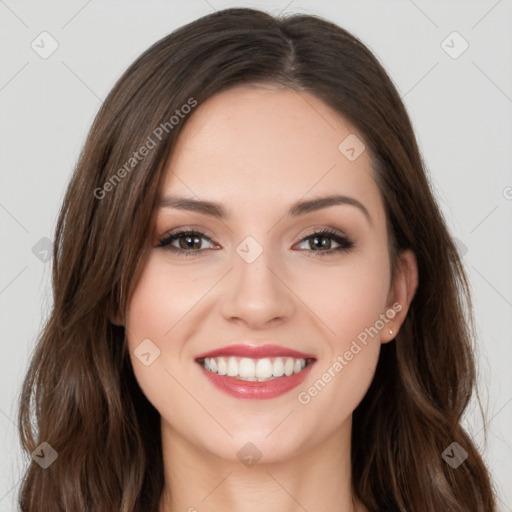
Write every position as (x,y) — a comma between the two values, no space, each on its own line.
(254,370)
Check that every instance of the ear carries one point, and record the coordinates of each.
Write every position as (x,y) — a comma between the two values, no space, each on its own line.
(400,295)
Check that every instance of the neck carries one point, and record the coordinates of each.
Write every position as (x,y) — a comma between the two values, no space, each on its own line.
(316,479)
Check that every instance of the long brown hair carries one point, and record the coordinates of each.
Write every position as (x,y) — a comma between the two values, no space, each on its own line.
(80,394)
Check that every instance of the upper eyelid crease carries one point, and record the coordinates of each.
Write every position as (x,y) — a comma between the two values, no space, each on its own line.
(300,207)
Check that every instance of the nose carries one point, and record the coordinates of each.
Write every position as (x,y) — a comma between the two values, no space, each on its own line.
(257,292)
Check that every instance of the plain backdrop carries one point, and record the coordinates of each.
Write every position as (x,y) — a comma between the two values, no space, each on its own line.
(459,100)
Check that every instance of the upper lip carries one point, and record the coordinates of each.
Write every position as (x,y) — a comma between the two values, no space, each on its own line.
(255,352)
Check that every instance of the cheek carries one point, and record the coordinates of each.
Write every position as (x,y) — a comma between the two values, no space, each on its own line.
(156,306)
(162,309)
(348,298)
(336,389)
(350,309)
(165,294)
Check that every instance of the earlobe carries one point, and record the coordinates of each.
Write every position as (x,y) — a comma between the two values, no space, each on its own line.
(115,318)
(392,335)
(401,294)
(116,321)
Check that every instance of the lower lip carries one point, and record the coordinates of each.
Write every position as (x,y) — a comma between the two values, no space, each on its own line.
(255,390)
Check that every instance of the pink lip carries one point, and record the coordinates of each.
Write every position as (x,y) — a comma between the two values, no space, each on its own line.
(254,389)
(255,352)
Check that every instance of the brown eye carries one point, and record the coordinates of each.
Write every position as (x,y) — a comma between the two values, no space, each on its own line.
(189,242)
(317,238)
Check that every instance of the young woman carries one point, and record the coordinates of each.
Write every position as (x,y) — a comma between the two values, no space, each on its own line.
(257,302)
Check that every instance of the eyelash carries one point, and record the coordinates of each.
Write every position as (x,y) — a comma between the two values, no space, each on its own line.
(345,242)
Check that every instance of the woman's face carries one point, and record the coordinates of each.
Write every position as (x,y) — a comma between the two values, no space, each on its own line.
(259,276)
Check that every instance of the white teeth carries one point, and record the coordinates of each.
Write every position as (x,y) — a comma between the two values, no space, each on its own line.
(246,368)
(278,367)
(288,367)
(232,367)
(263,369)
(222,366)
(260,370)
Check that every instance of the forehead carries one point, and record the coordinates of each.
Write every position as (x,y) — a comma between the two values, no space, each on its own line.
(258,145)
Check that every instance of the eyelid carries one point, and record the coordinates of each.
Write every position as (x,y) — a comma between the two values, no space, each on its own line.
(345,243)
(206,234)
(311,230)
(187,228)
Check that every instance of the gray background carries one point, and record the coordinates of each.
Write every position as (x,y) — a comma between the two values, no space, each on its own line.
(460,107)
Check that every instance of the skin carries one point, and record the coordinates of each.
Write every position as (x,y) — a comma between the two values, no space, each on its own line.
(256,150)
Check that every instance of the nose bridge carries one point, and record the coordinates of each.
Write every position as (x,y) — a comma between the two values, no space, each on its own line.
(255,266)
(256,293)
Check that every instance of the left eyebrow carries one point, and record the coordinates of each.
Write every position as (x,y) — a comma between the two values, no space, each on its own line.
(300,207)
